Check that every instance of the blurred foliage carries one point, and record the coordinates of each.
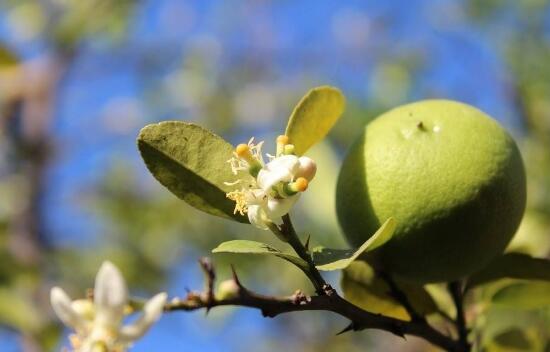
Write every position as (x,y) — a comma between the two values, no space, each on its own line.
(150,233)
(369,291)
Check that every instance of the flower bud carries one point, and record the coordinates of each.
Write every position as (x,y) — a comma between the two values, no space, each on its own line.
(227,289)
(307,168)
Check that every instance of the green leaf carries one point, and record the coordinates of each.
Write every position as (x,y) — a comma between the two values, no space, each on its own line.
(524,295)
(336,259)
(314,116)
(363,288)
(192,163)
(253,247)
(513,266)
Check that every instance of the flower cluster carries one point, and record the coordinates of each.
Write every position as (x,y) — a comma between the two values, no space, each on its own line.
(99,323)
(277,184)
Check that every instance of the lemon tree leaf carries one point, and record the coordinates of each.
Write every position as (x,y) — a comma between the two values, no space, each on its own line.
(192,163)
(362,287)
(524,295)
(314,116)
(253,247)
(513,266)
(336,259)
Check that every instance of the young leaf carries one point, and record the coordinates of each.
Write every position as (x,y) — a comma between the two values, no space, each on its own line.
(253,247)
(336,259)
(524,295)
(363,288)
(314,116)
(513,266)
(192,163)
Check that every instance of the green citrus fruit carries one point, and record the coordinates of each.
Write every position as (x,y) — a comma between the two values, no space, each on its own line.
(452,178)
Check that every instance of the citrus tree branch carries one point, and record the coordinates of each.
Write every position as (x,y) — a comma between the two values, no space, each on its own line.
(272,306)
(401,297)
(457,294)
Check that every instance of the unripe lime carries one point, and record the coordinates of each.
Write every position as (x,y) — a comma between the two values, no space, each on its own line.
(452,178)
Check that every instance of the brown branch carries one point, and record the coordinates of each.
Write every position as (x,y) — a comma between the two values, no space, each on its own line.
(401,297)
(457,294)
(327,299)
(210,278)
(272,306)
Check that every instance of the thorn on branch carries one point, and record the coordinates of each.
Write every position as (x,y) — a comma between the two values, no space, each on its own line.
(236,278)
(306,244)
(210,278)
(350,327)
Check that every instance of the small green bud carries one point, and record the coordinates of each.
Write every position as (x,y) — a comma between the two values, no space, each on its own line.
(227,289)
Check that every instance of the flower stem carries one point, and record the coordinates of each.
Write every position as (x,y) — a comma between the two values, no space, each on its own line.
(321,287)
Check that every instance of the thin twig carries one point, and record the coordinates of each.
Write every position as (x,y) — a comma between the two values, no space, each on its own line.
(455,289)
(321,287)
(210,278)
(286,233)
(399,296)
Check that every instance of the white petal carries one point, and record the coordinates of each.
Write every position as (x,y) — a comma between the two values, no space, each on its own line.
(256,197)
(62,305)
(257,216)
(288,162)
(279,207)
(85,308)
(110,294)
(151,313)
(307,168)
(281,169)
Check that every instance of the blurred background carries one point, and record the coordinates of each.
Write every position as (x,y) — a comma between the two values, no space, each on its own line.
(79,78)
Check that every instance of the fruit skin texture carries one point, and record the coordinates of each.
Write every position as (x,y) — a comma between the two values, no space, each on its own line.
(450,175)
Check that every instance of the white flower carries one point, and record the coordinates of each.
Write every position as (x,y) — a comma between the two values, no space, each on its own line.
(277,184)
(98,324)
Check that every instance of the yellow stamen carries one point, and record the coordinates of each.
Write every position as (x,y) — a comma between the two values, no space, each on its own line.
(289,149)
(300,185)
(239,197)
(243,151)
(282,140)
(250,155)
